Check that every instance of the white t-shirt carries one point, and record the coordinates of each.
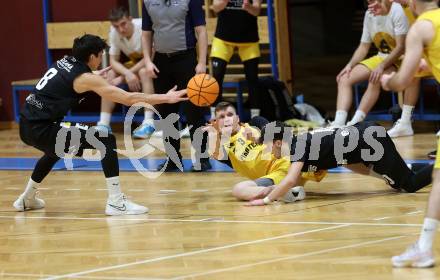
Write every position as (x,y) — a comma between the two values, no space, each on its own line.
(132,47)
(382,30)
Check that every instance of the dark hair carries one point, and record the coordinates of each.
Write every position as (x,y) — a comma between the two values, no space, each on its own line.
(277,135)
(118,13)
(87,45)
(223,106)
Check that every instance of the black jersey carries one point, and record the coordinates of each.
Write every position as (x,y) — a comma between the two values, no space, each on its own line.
(54,96)
(236,25)
(321,149)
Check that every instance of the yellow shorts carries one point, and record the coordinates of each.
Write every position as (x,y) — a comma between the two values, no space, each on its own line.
(423,74)
(224,50)
(374,61)
(437,157)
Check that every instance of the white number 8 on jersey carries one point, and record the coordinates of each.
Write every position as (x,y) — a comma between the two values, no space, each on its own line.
(49,75)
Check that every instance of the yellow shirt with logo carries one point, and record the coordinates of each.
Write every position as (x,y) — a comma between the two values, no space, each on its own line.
(253,161)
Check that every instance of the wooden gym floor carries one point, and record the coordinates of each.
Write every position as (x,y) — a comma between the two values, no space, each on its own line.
(347,228)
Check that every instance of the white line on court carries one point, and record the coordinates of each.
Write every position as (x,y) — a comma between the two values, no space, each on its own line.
(287,258)
(78,277)
(101,189)
(72,189)
(199,190)
(12,188)
(75,274)
(415,212)
(136,190)
(380,219)
(211,221)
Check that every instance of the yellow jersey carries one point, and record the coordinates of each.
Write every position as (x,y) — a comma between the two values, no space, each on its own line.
(250,160)
(432,51)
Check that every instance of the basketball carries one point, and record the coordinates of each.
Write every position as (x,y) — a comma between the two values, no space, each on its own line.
(203,90)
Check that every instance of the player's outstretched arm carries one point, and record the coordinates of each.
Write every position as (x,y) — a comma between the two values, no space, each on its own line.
(419,36)
(291,180)
(91,82)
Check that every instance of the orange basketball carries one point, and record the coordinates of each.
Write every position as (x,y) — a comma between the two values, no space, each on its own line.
(202,90)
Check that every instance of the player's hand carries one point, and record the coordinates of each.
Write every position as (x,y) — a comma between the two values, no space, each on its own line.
(133,82)
(117,81)
(212,126)
(200,68)
(151,70)
(376,74)
(103,72)
(346,71)
(249,134)
(385,80)
(174,96)
(263,193)
(255,202)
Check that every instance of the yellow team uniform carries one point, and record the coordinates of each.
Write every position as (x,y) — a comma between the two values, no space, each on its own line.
(432,55)
(224,50)
(252,161)
(382,32)
(134,58)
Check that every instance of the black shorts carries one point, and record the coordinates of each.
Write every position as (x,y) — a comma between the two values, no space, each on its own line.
(59,138)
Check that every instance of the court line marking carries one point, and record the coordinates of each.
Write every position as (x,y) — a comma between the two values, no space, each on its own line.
(415,212)
(79,277)
(72,189)
(206,220)
(287,258)
(380,219)
(192,253)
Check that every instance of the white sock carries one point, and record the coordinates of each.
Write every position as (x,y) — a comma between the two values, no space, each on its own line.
(340,117)
(105,118)
(427,235)
(358,117)
(148,117)
(212,113)
(255,112)
(31,188)
(406,113)
(113,186)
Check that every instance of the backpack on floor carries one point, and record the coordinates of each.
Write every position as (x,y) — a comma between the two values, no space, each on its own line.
(275,102)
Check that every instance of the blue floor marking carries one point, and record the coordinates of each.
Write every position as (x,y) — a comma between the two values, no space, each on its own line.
(80,164)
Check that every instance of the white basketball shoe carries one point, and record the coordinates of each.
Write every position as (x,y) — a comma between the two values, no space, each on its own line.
(24,203)
(414,257)
(294,194)
(121,205)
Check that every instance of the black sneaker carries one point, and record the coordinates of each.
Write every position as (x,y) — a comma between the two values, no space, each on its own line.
(432,155)
(204,166)
(170,166)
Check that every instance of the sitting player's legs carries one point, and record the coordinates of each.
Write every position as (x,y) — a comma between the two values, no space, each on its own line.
(345,92)
(369,98)
(249,190)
